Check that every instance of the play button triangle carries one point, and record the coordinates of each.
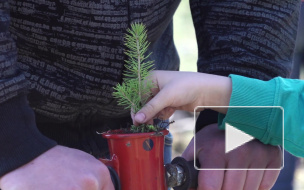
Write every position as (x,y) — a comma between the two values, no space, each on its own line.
(235,138)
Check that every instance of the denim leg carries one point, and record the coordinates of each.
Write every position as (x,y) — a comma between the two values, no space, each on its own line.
(286,176)
(168,148)
(168,139)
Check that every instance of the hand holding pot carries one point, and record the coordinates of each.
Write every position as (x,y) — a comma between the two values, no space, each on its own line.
(184,91)
(210,150)
(60,168)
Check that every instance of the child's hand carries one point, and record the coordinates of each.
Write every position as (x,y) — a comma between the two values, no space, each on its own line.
(183,91)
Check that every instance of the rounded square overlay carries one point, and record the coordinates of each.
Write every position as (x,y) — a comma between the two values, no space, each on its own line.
(241,112)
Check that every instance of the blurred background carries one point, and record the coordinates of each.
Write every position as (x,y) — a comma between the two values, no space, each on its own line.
(182,129)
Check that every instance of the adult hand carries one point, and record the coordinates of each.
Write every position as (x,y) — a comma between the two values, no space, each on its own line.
(176,90)
(210,150)
(60,168)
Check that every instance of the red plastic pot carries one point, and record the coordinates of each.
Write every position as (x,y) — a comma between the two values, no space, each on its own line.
(138,158)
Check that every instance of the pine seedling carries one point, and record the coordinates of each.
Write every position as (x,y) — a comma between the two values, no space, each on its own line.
(136,86)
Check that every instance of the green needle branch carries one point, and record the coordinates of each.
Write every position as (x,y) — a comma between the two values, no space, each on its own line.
(136,85)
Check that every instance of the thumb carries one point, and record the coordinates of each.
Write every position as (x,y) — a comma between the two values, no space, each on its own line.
(152,108)
(188,153)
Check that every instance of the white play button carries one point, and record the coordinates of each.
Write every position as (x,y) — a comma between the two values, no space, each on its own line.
(235,138)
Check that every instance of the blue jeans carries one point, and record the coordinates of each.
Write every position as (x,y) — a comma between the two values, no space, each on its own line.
(168,140)
(286,176)
(168,148)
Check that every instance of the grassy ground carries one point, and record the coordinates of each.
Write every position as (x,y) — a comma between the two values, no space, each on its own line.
(185,40)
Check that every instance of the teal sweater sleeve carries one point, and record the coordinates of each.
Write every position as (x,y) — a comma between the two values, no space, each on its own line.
(266,124)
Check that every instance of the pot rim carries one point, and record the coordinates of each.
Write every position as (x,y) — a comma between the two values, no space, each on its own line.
(108,135)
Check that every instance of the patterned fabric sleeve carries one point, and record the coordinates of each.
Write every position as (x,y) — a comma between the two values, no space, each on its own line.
(20,141)
(250,38)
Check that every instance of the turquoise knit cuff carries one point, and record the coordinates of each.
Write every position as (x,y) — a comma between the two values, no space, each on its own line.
(246,93)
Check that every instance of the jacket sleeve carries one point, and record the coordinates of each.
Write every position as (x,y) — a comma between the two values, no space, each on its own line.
(250,38)
(20,140)
(271,125)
